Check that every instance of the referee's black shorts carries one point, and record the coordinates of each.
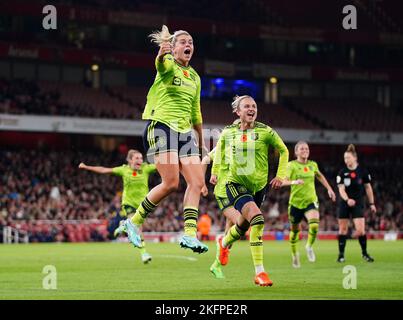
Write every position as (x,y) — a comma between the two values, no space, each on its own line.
(346,212)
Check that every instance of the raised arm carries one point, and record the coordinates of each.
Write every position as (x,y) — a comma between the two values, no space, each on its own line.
(164,61)
(96,169)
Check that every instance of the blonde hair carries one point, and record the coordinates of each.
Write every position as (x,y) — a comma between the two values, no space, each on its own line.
(237,101)
(163,35)
(298,144)
(351,149)
(131,153)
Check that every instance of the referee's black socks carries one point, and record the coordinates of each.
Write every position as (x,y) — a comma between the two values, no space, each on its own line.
(342,243)
(363,243)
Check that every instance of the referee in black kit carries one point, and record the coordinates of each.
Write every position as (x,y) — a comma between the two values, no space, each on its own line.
(353,181)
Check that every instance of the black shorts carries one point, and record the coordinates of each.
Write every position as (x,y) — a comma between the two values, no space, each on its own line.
(346,212)
(238,195)
(296,215)
(159,138)
(223,203)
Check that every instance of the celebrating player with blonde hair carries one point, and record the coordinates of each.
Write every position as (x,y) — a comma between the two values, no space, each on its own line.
(172,111)
(248,144)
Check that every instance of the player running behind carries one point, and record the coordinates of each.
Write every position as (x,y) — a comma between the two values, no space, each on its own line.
(246,186)
(219,173)
(303,202)
(172,111)
(135,187)
(353,181)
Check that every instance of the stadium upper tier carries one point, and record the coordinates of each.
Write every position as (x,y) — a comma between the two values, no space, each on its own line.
(349,115)
(49,98)
(242,31)
(268,12)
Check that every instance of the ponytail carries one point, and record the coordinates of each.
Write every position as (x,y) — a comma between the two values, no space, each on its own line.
(160,36)
(351,149)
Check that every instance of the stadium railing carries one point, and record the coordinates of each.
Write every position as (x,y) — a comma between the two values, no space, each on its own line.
(13,235)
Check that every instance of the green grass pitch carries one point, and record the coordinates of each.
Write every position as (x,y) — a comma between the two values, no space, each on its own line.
(115,271)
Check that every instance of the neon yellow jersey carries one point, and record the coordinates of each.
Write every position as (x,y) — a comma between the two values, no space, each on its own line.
(174,97)
(221,171)
(249,153)
(303,195)
(135,183)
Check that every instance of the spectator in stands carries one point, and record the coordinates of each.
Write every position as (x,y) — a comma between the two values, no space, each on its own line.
(28,177)
(204,226)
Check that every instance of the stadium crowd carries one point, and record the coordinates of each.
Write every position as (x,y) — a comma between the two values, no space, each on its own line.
(45,194)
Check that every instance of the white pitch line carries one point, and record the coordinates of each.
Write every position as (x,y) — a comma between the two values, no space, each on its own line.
(176,257)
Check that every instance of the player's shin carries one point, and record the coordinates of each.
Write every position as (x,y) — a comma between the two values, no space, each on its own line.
(256,242)
(294,238)
(313,231)
(145,208)
(190,225)
(233,234)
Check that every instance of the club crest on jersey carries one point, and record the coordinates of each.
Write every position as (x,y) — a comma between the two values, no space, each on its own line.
(185,73)
(347,181)
(244,138)
(176,81)
(242,189)
(134,174)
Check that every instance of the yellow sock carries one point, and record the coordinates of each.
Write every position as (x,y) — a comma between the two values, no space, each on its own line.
(294,238)
(190,215)
(256,239)
(313,231)
(145,208)
(233,234)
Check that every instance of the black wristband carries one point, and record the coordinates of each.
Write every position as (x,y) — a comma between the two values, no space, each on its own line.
(372,204)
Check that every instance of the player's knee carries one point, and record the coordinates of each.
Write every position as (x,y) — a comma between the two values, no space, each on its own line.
(295,227)
(171,184)
(360,233)
(243,223)
(257,221)
(196,184)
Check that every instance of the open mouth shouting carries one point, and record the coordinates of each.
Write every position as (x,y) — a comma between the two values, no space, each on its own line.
(251,113)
